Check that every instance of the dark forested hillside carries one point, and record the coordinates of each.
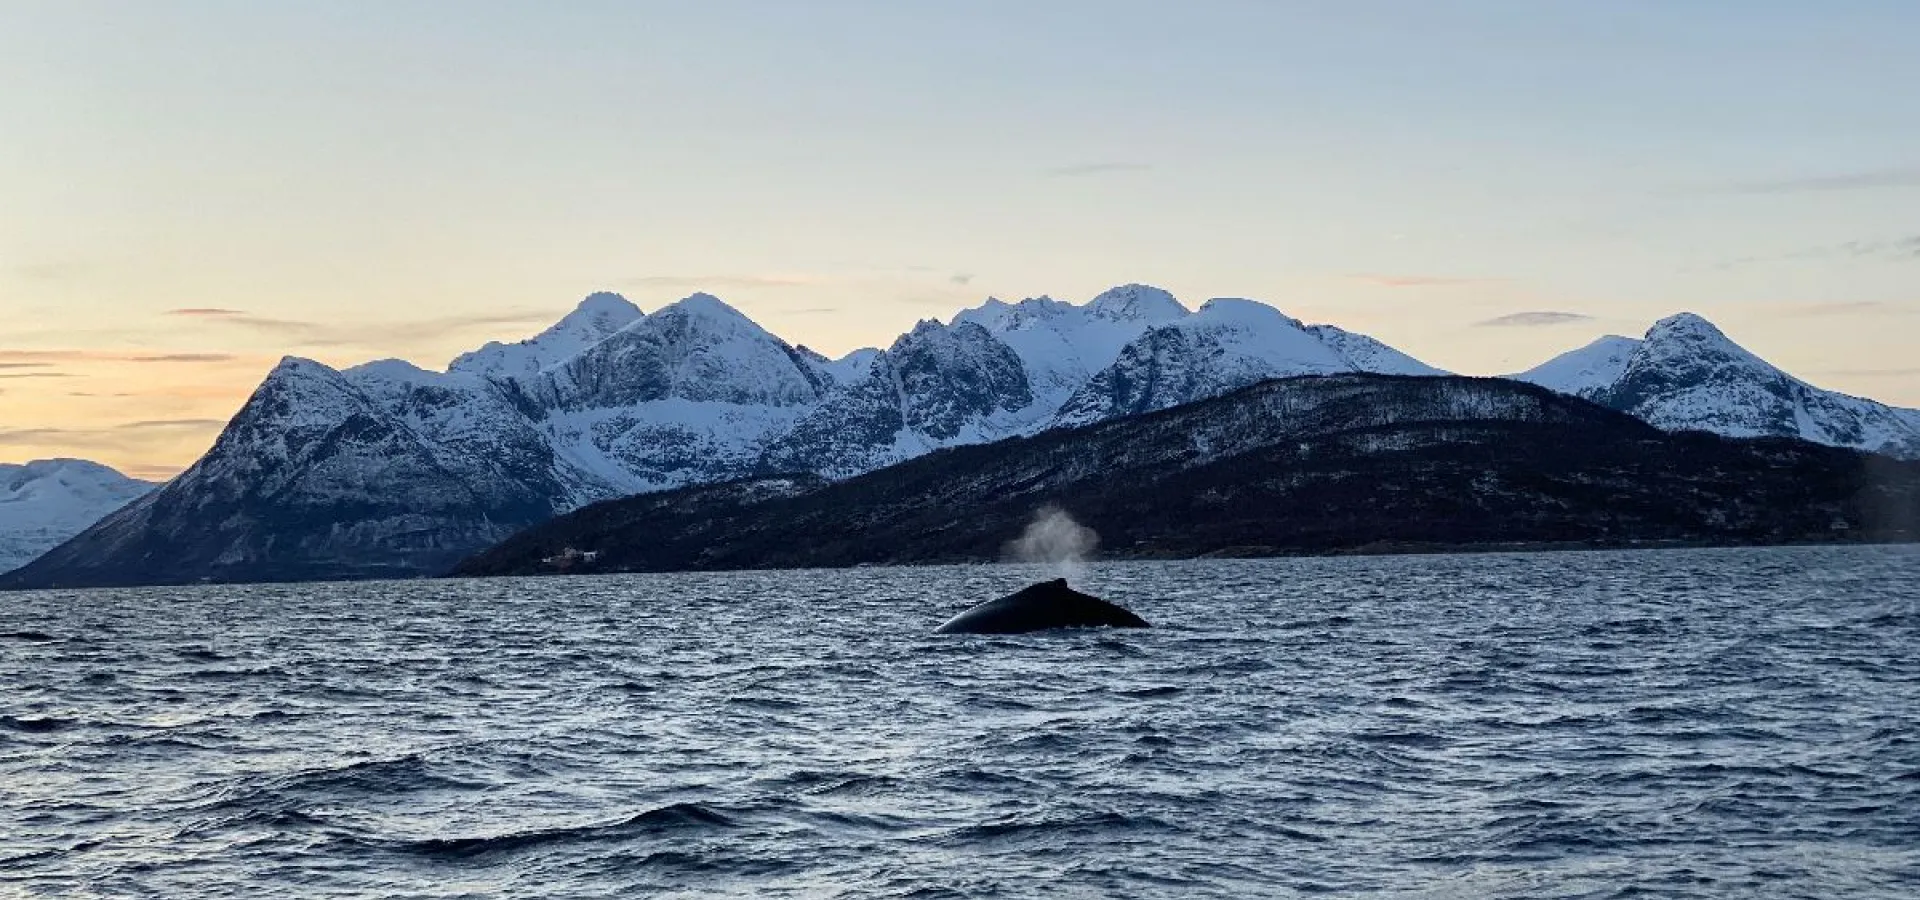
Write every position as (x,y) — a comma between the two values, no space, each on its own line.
(1312,464)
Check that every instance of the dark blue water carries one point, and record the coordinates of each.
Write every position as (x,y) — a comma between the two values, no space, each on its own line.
(1733,723)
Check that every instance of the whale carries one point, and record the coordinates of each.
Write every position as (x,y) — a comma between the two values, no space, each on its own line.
(1049,604)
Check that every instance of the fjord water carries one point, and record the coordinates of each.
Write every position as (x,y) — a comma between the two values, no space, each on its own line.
(1713,723)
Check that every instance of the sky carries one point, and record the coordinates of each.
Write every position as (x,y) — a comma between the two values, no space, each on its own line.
(190,190)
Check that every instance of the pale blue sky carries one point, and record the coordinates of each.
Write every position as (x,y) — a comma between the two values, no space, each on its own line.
(412,178)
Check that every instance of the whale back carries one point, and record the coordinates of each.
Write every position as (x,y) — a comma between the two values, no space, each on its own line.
(1049,604)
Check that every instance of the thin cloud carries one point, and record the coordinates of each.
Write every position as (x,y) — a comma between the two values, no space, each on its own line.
(26,365)
(182,358)
(151,471)
(78,355)
(1876,179)
(36,375)
(299,333)
(1418,281)
(960,278)
(700,282)
(1081,170)
(1534,319)
(1844,308)
(1901,249)
(1908,372)
(175,423)
(51,271)
(38,435)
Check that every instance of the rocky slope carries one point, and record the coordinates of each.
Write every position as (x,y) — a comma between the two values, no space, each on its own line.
(1309,464)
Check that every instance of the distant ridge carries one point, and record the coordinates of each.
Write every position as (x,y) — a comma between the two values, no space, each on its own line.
(388,469)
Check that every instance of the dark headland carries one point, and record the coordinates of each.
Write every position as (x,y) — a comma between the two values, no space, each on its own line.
(1314,465)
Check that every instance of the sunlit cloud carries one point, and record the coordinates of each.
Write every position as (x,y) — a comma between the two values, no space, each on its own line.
(1535,318)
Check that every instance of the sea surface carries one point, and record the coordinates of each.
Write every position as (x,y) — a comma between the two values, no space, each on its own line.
(1718,723)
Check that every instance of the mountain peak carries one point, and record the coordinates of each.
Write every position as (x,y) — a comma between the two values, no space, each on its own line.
(702,305)
(606,302)
(600,314)
(1241,311)
(1685,325)
(1136,302)
(294,367)
(1692,336)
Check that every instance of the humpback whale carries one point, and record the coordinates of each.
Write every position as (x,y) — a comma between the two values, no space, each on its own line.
(1049,604)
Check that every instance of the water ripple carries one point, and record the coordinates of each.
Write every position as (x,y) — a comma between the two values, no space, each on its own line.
(1734,723)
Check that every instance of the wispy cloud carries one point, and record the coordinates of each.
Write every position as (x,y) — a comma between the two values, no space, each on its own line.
(960,278)
(1867,180)
(175,423)
(1898,372)
(1900,249)
(36,375)
(182,358)
(1418,281)
(299,333)
(39,435)
(26,365)
(721,282)
(1845,308)
(81,355)
(1533,319)
(51,271)
(1110,167)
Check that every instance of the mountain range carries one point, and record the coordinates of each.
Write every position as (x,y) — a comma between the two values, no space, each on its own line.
(1310,464)
(389,469)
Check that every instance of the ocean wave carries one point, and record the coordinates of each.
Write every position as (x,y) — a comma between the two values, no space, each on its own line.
(670,819)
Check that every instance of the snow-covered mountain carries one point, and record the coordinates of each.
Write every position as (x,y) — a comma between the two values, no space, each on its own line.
(1686,374)
(387,468)
(1227,345)
(594,320)
(47,501)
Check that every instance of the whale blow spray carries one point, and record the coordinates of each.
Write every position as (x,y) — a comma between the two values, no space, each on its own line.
(1055,539)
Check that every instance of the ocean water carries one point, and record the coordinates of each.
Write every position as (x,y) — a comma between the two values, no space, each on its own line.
(1723,723)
